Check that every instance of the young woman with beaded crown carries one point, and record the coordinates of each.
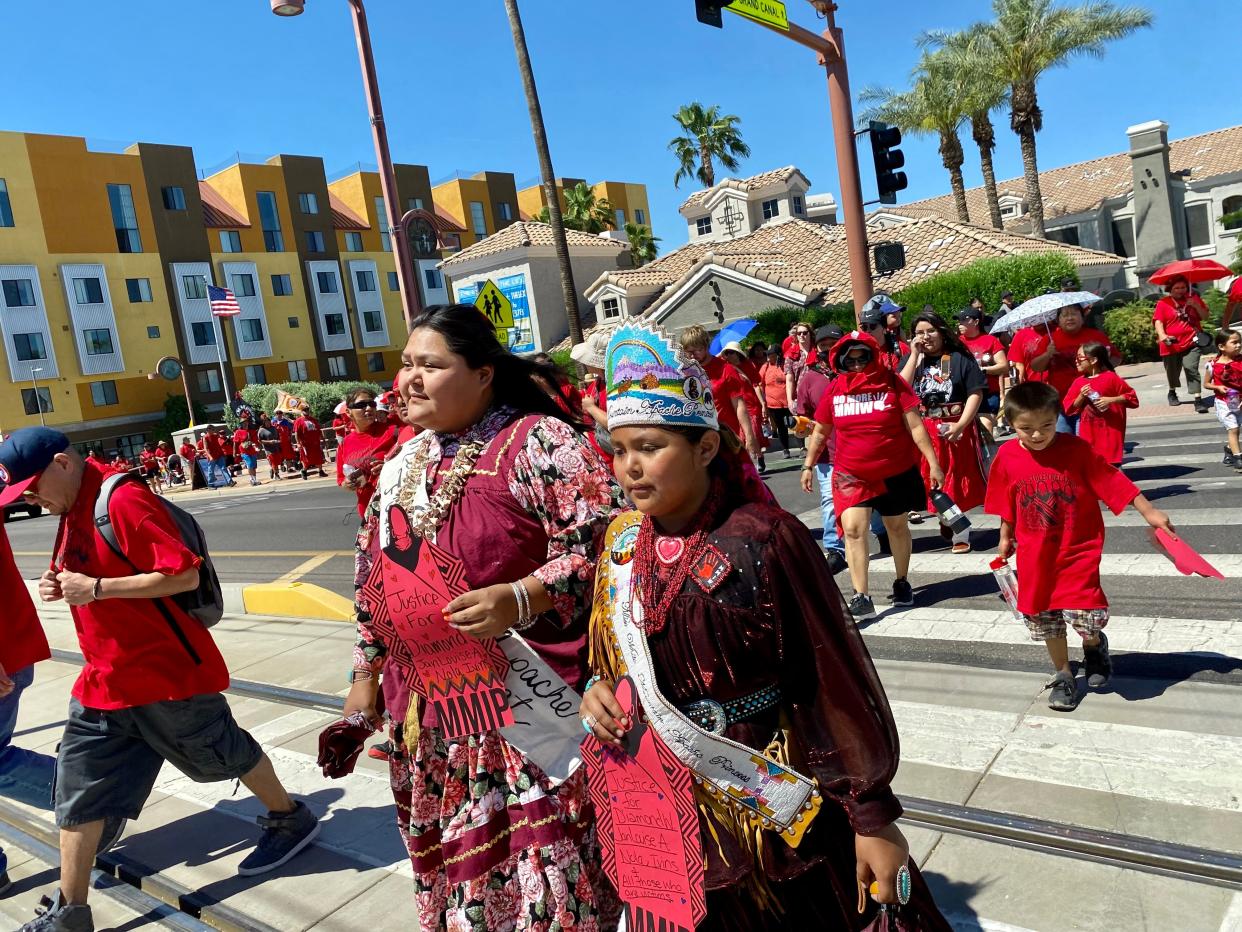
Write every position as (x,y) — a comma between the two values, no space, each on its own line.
(500,478)
(721,608)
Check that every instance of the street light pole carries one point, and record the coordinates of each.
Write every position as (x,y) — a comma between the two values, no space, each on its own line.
(34,371)
(411,301)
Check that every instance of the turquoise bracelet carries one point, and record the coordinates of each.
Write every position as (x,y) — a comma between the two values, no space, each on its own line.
(591,682)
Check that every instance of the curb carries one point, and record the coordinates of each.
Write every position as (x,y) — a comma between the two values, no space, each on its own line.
(296,600)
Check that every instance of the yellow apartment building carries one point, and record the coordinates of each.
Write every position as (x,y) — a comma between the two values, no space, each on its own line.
(481,205)
(629,201)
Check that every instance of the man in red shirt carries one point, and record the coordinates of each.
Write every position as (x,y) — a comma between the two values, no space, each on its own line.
(729,389)
(217,459)
(310,442)
(151,686)
(1047,488)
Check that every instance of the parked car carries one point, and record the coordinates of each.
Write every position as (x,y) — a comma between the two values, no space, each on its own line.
(20,507)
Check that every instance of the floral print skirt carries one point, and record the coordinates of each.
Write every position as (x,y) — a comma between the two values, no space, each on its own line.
(494,846)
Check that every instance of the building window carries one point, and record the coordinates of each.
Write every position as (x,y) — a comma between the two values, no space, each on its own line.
(365,279)
(704,225)
(506,210)
(620,219)
(103,393)
(394,282)
(771,209)
(797,204)
(255,375)
(124,220)
(88,291)
(353,242)
(153,333)
(37,401)
(1198,225)
(204,334)
(381,221)
(98,342)
(327,282)
(282,286)
(29,347)
(18,292)
(194,286)
(372,321)
(139,290)
(269,217)
(1230,205)
(294,323)
(252,330)
(434,278)
(297,370)
(1066,235)
(243,285)
(308,203)
(336,367)
(640,216)
(611,308)
(1123,237)
(414,203)
(478,219)
(375,362)
(174,198)
(6,208)
(230,241)
(314,241)
(208,381)
(334,324)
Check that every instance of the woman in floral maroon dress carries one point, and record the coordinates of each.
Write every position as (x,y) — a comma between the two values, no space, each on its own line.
(500,478)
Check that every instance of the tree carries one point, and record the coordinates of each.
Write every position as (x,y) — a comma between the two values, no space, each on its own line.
(540,133)
(643,248)
(709,138)
(176,417)
(931,107)
(1027,38)
(959,56)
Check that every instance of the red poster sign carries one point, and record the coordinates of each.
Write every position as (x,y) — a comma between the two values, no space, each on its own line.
(462,679)
(648,825)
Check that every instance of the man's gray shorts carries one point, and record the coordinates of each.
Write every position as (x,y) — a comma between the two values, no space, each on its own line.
(109,760)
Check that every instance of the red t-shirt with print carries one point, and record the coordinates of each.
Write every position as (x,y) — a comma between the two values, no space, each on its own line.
(22,641)
(1227,372)
(1052,498)
(984,348)
(727,384)
(133,655)
(1180,323)
(871,439)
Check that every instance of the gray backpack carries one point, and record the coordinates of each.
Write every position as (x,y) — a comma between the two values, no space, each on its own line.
(204,604)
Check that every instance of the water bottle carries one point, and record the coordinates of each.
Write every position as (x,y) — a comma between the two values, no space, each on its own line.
(1007,580)
(950,515)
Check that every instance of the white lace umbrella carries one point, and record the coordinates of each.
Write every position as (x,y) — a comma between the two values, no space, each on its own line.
(1041,310)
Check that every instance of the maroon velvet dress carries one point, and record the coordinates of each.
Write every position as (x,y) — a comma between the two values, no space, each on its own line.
(778,619)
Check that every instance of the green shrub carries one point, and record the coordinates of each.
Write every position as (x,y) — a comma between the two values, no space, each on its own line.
(323,397)
(1131,330)
(1215,299)
(774,323)
(175,417)
(949,292)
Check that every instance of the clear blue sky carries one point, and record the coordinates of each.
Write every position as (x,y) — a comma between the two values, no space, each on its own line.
(226,76)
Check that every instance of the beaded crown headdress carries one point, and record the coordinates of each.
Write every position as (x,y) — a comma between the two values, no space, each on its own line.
(650,382)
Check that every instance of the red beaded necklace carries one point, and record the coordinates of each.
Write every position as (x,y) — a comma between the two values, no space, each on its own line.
(656,592)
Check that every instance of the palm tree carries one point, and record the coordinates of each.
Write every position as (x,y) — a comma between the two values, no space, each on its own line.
(931,106)
(568,290)
(643,248)
(709,137)
(959,56)
(584,211)
(1027,38)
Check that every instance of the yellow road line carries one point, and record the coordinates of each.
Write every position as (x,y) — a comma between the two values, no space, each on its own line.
(308,567)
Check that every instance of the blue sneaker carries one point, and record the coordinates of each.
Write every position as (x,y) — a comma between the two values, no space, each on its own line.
(284,835)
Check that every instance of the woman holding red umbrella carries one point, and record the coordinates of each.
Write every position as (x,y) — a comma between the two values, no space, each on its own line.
(1179,318)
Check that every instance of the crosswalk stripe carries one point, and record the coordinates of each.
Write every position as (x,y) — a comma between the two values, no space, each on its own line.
(999,626)
(1181,517)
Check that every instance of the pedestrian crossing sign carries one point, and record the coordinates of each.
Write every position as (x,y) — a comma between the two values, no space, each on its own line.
(495,306)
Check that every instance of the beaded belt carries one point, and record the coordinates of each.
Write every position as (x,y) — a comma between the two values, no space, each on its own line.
(715,717)
(944,411)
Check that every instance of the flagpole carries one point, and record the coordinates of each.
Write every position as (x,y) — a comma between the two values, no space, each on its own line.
(224,379)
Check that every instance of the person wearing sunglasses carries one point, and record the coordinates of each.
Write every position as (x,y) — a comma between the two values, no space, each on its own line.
(361,454)
(799,354)
(873,417)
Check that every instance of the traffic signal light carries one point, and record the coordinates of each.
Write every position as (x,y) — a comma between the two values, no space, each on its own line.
(888,158)
(708,11)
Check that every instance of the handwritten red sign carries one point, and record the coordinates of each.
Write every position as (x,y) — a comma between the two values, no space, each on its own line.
(648,825)
(462,678)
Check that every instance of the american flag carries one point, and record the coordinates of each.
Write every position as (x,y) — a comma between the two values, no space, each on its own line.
(223,302)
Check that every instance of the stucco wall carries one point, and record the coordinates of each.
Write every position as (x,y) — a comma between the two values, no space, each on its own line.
(717,301)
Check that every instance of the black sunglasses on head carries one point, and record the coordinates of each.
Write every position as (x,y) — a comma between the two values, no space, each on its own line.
(362,405)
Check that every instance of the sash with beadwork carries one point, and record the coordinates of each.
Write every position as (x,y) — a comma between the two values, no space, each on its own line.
(547,729)
(765,793)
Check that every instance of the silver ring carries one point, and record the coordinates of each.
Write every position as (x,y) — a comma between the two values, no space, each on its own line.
(903,885)
(588,724)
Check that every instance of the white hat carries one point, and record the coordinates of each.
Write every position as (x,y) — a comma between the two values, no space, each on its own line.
(593,351)
(735,346)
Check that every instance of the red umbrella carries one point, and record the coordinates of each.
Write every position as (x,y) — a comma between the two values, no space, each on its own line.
(1193,270)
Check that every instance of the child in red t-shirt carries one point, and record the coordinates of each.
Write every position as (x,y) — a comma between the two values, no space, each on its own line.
(1101,397)
(1225,381)
(1047,488)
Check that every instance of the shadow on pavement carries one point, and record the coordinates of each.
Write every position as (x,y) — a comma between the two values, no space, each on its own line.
(1140,676)
(1149,473)
(953,898)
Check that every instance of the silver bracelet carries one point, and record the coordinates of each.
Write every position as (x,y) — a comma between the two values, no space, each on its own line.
(524,619)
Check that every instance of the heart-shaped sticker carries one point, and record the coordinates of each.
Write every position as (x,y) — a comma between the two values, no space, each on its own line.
(670,549)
